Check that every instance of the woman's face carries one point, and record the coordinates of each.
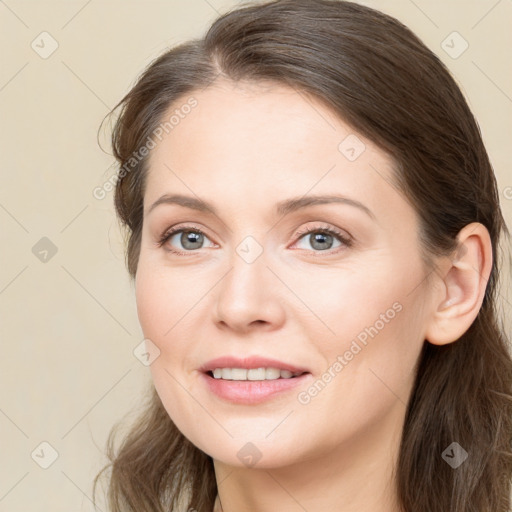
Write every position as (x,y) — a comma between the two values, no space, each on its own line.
(263,279)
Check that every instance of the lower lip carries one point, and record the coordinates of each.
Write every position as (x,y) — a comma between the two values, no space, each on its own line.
(252,391)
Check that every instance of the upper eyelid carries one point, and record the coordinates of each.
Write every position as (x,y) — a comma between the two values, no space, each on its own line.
(342,234)
(178,227)
(326,227)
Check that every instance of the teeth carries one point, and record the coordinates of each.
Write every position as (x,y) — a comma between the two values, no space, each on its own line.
(252,374)
(236,373)
(272,373)
(256,374)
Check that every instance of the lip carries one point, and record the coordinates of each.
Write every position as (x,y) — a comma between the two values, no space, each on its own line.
(251,392)
(249,362)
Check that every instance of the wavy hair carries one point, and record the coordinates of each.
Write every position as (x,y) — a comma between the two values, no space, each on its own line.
(378,76)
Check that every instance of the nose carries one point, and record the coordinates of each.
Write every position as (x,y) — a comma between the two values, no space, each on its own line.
(248,297)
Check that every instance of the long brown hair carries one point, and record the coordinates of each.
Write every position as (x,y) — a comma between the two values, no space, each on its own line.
(383,81)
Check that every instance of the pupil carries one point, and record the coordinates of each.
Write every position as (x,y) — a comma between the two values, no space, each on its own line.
(320,238)
(191,237)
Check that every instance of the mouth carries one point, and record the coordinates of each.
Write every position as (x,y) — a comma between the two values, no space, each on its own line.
(253,374)
(250,368)
(252,380)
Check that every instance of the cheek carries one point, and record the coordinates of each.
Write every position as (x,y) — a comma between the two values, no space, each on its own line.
(372,369)
(374,339)
(162,316)
(341,304)
(163,296)
(364,384)
(150,304)
(170,311)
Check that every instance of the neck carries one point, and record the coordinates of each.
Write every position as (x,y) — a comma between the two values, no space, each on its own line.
(356,476)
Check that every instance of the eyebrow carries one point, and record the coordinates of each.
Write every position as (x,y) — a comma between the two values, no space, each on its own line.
(282,208)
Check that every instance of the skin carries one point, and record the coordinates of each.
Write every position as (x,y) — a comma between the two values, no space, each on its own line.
(244,148)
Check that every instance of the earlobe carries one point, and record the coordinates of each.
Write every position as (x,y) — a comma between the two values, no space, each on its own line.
(463,280)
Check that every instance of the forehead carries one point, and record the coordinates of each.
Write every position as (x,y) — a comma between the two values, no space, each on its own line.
(245,142)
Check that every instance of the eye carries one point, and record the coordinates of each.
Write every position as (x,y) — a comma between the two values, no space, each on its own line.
(322,238)
(190,238)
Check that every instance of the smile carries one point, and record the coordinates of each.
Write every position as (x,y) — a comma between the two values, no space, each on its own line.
(253,374)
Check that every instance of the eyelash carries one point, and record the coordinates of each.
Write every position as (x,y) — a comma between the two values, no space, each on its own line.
(347,242)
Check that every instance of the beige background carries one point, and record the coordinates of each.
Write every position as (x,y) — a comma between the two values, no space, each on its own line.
(68,324)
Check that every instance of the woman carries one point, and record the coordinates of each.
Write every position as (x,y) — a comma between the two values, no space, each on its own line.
(313,229)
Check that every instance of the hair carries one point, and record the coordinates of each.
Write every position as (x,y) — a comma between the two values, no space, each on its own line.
(377,76)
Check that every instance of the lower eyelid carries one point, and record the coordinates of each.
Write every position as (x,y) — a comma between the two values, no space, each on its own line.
(342,238)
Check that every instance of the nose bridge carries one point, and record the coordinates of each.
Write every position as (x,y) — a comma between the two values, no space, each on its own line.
(246,280)
(246,293)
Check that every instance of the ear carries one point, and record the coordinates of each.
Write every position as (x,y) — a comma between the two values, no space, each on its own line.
(461,288)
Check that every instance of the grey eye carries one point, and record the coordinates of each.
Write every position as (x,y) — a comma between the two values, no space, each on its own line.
(319,241)
(189,239)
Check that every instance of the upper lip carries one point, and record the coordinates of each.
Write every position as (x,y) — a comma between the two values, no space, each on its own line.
(250,362)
